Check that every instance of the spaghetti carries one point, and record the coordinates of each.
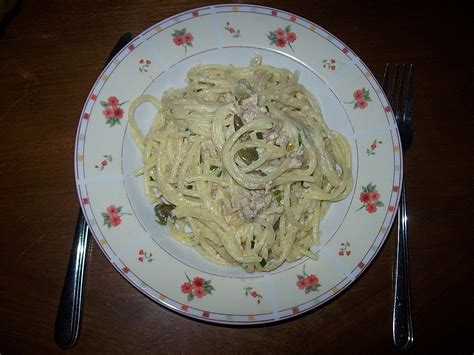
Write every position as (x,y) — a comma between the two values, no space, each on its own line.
(241,165)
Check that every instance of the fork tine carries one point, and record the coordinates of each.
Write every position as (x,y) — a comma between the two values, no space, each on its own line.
(394,88)
(407,115)
(385,78)
(400,109)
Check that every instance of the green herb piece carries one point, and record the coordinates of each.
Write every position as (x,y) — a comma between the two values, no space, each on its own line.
(259,135)
(277,195)
(214,168)
(300,141)
(263,263)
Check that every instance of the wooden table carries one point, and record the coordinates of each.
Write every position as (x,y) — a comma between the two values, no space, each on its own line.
(50,55)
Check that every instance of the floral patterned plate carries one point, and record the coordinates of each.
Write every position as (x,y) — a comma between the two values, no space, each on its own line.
(123,223)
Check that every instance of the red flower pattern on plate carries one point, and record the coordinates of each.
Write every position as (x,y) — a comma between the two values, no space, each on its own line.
(345,249)
(373,146)
(250,292)
(112,216)
(280,33)
(291,37)
(107,159)
(183,38)
(235,33)
(306,282)
(143,256)
(329,64)
(198,287)
(282,37)
(361,98)
(370,198)
(112,112)
(144,65)
(113,101)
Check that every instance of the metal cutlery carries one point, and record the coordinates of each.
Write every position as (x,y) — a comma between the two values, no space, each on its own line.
(401,100)
(66,329)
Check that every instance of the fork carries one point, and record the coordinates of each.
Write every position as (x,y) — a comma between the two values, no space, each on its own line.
(402,324)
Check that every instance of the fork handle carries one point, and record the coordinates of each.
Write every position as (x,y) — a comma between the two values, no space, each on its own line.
(402,321)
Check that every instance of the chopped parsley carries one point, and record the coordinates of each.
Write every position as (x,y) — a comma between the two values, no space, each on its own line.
(214,168)
(252,243)
(277,195)
(259,135)
(299,139)
(263,263)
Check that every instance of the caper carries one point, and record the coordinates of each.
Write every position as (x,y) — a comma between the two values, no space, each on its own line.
(276,225)
(242,90)
(163,211)
(248,155)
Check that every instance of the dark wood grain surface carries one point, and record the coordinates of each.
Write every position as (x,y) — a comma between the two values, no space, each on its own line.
(50,55)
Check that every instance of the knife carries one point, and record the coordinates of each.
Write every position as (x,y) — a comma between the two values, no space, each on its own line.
(68,318)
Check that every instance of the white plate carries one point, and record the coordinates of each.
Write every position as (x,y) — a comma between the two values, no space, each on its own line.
(143,252)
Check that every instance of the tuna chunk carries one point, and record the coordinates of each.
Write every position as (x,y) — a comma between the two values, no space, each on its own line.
(296,158)
(275,133)
(249,203)
(208,146)
(251,110)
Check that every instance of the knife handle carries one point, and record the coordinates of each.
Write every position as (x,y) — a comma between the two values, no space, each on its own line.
(66,329)
(68,318)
